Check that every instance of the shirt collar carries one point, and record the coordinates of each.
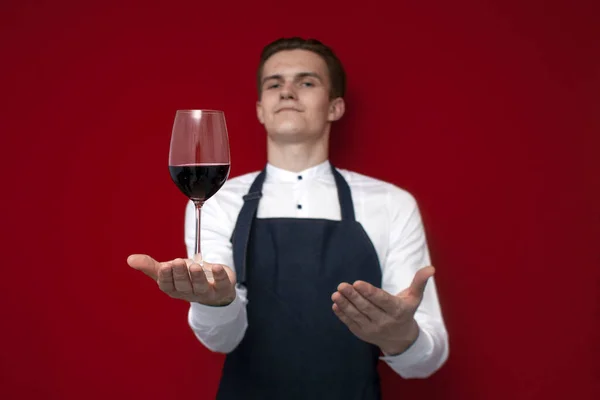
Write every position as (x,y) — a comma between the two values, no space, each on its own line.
(275,174)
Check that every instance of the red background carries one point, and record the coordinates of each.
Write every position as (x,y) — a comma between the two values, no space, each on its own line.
(488,112)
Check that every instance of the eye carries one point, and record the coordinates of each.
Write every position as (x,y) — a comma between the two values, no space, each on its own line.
(308,84)
(273,86)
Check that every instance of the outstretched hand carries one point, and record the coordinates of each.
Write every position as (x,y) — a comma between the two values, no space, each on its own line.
(186,280)
(379,317)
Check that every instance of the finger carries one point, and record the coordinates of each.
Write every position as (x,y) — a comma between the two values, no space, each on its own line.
(230,274)
(144,263)
(181,277)
(365,306)
(417,287)
(380,298)
(165,278)
(344,318)
(350,310)
(222,282)
(200,284)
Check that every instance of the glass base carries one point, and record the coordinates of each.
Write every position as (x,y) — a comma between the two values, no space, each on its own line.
(198,260)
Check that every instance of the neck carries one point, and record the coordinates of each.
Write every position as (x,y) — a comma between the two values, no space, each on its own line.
(297,156)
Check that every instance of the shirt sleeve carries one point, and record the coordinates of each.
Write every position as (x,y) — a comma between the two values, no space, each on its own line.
(408,252)
(220,329)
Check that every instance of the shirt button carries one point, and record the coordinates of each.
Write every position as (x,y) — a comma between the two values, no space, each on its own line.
(299,177)
(299,206)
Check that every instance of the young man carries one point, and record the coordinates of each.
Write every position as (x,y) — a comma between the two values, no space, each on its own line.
(317,271)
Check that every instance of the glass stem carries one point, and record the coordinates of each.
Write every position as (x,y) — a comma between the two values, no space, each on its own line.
(198,250)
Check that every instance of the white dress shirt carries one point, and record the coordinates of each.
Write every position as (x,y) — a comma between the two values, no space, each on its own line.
(389,215)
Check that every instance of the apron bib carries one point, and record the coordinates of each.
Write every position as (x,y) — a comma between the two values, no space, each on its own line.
(295,347)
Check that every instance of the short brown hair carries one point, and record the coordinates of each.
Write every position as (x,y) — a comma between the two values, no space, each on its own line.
(337,75)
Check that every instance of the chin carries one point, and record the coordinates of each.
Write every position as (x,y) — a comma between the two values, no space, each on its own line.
(287,128)
(290,131)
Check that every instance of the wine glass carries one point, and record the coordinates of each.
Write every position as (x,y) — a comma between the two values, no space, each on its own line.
(199,158)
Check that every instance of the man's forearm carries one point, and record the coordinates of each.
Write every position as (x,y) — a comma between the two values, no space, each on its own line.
(220,329)
(423,357)
(406,338)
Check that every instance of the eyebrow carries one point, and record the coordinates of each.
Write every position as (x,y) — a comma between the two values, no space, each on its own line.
(299,75)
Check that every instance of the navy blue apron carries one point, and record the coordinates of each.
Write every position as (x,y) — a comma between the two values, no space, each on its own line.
(295,347)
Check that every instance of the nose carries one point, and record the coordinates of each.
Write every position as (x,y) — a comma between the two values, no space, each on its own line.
(287,92)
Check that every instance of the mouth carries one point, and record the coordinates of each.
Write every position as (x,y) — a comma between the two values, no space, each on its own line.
(287,109)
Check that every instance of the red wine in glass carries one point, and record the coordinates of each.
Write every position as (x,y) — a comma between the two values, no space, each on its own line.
(199,182)
(199,158)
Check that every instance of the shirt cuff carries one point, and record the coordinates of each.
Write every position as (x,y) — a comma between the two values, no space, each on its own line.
(418,351)
(201,315)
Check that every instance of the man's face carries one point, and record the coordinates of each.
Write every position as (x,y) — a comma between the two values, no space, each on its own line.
(295,103)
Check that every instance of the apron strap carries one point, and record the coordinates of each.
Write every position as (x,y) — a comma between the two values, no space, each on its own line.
(241,233)
(344,195)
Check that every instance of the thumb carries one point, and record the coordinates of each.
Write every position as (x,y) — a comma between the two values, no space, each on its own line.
(144,263)
(417,287)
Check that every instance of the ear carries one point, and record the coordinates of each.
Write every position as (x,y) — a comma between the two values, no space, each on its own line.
(337,107)
(260,112)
